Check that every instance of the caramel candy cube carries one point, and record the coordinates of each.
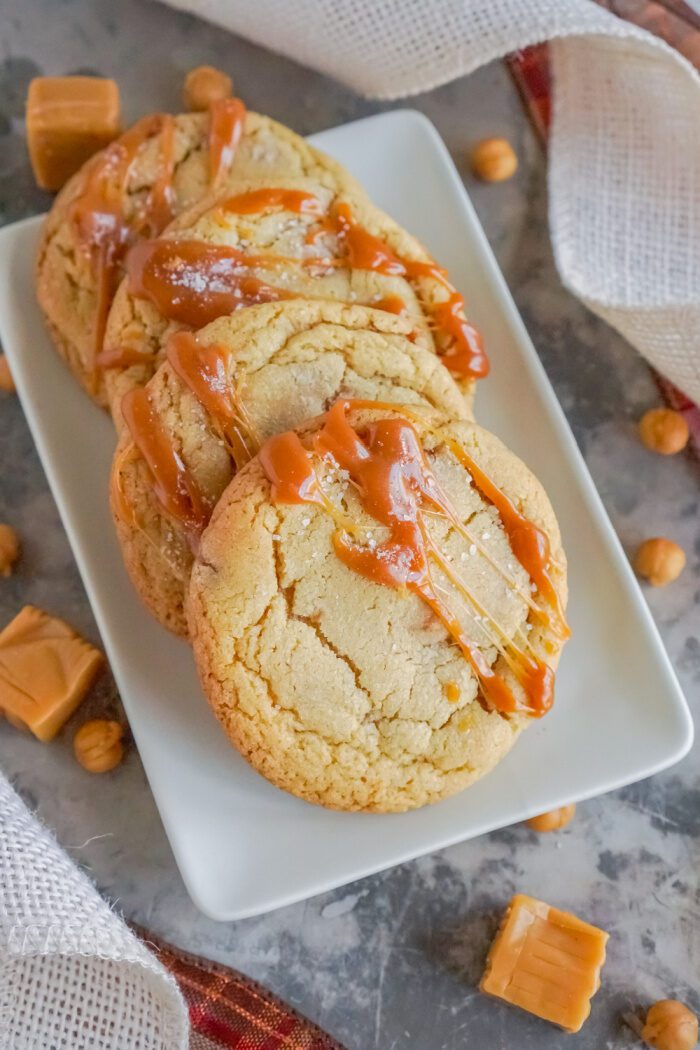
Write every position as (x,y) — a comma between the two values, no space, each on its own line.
(45,671)
(545,961)
(68,119)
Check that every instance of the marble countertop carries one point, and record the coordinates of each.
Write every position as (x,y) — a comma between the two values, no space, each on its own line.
(391,962)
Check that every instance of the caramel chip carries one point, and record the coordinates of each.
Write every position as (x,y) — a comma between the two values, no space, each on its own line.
(45,671)
(545,961)
(68,119)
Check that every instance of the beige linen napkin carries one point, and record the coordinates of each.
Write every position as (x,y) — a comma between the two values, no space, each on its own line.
(624,158)
(72,975)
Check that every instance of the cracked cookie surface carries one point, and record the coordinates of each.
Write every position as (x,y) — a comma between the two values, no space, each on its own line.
(336,688)
(284,363)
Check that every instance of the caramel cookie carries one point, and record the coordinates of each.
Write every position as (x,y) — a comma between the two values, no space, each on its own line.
(217,396)
(376,607)
(129,192)
(312,234)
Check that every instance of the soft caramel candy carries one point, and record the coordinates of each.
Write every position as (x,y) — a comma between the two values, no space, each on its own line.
(45,671)
(545,961)
(68,119)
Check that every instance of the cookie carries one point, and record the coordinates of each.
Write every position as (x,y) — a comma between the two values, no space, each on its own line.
(130,191)
(376,607)
(314,235)
(217,396)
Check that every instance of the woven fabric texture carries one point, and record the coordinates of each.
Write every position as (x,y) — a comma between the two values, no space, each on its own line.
(624,169)
(72,975)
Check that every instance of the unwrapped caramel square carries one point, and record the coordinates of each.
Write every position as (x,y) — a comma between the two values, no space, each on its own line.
(45,671)
(545,961)
(68,119)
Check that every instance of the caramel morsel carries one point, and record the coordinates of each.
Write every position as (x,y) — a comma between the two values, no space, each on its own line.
(494,160)
(204,85)
(98,746)
(660,561)
(553,819)
(45,671)
(664,431)
(68,119)
(670,1025)
(545,961)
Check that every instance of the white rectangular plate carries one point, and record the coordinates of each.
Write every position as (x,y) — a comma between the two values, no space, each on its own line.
(244,847)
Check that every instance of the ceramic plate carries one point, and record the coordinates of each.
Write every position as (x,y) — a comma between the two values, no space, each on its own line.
(243,846)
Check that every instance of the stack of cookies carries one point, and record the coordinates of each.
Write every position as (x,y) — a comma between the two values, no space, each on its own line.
(373,585)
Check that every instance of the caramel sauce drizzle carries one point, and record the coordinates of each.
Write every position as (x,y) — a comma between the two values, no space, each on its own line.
(255,201)
(97,211)
(390,304)
(174,486)
(120,357)
(396,487)
(188,282)
(465,355)
(226,121)
(194,282)
(205,371)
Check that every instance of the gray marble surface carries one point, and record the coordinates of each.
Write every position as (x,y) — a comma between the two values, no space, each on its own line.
(391,962)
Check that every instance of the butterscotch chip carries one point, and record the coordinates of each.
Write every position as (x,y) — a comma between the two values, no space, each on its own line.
(45,671)
(98,746)
(545,961)
(670,1025)
(664,431)
(494,160)
(7,383)
(660,561)
(9,549)
(205,85)
(553,820)
(280,364)
(334,685)
(68,119)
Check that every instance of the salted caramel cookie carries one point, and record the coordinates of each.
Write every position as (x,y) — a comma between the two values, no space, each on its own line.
(310,234)
(218,395)
(376,607)
(129,192)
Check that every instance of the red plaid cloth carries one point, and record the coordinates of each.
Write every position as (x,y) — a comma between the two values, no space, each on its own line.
(679,26)
(229,1010)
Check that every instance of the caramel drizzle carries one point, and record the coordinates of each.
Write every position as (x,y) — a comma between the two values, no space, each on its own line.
(396,487)
(173,484)
(205,371)
(126,512)
(194,282)
(97,211)
(168,273)
(226,122)
(464,355)
(390,304)
(256,201)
